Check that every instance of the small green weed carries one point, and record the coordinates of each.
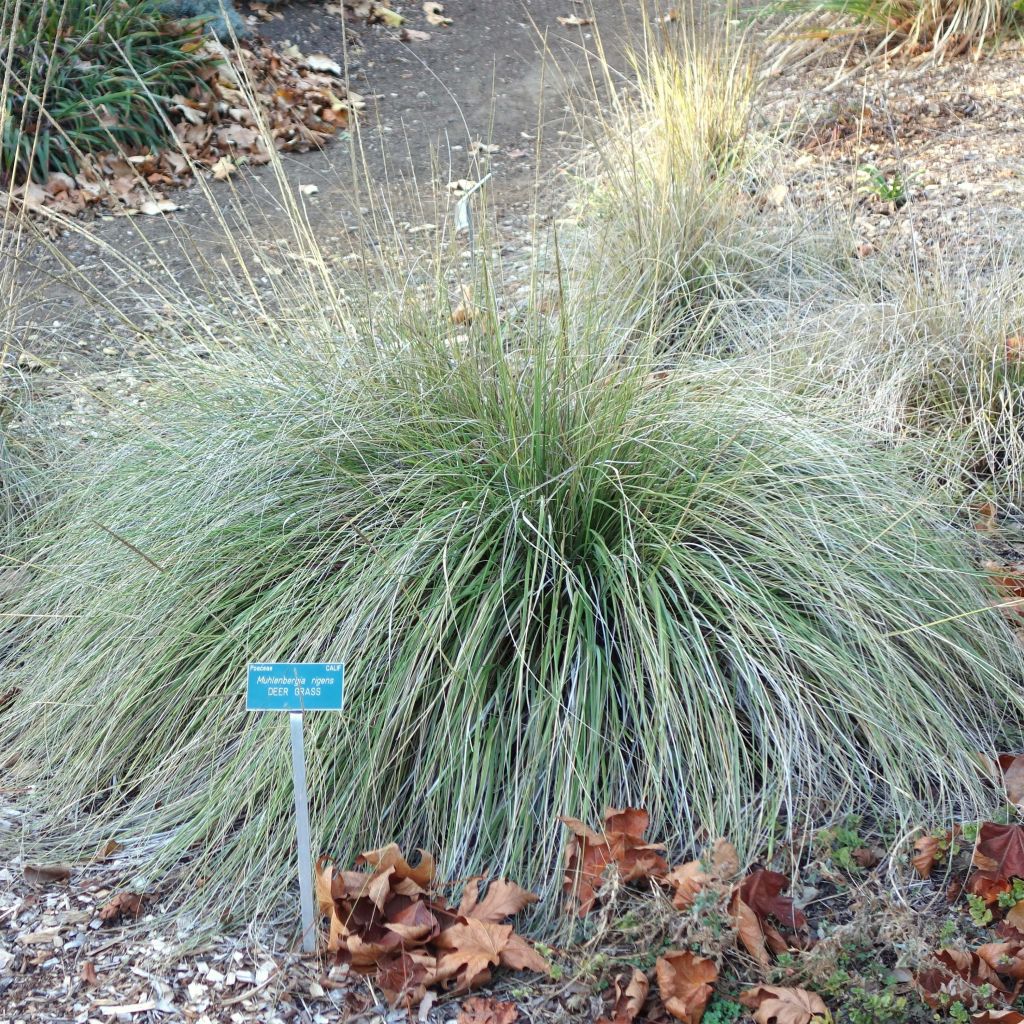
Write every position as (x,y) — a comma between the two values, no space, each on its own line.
(722,1011)
(890,188)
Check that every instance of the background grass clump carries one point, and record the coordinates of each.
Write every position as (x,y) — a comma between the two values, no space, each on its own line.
(558,580)
(87,76)
(940,27)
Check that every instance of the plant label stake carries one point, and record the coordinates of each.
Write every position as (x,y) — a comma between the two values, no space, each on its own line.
(297,687)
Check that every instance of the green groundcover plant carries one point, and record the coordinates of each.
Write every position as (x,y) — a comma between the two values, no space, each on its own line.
(87,76)
(557,580)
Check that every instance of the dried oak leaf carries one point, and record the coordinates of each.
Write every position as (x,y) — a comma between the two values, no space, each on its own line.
(686,983)
(124,904)
(774,1005)
(1000,850)
(997,1017)
(480,1010)
(621,843)
(88,974)
(629,994)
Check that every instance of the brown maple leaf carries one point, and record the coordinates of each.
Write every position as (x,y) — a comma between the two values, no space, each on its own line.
(629,994)
(470,951)
(762,891)
(774,1005)
(686,983)
(720,864)
(621,843)
(1000,850)
(1006,959)
(480,1010)
(930,850)
(956,976)
(503,899)
(749,930)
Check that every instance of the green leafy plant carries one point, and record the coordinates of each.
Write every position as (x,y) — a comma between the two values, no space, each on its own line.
(980,913)
(82,77)
(722,1011)
(890,188)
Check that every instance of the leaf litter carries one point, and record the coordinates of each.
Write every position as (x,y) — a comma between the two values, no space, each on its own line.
(252,99)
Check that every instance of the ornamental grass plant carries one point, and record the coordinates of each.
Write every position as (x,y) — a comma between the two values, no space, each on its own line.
(79,77)
(558,580)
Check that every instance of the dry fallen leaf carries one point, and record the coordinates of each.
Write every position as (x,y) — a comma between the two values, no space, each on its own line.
(43,874)
(155,207)
(621,843)
(414,35)
(574,21)
(223,168)
(479,1010)
(774,1005)
(322,63)
(88,974)
(435,13)
(686,983)
(1000,850)
(628,997)
(124,904)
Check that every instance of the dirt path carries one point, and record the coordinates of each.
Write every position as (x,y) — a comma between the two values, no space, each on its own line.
(502,73)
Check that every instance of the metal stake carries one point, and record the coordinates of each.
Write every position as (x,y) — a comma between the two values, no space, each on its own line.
(302,826)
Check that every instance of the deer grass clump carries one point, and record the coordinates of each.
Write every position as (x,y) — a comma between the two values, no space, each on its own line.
(557,580)
(80,77)
(939,27)
(685,214)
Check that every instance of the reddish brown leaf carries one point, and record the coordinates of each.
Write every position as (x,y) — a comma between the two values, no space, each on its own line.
(390,858)
(762,891)
(988,887)
(479,1010)
(720,865)
(124,904)
(749,931)
(1005,958)
(926,852)
(956,977)
(88,974)
(774,1005)
(628,997)
(472,949)
(519,955)
(997,1017)
(686,983)
(590,853)
(1000,850)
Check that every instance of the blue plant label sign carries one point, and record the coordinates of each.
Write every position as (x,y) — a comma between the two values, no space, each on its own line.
(295,686)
